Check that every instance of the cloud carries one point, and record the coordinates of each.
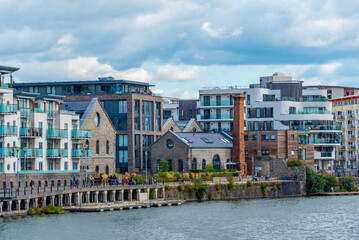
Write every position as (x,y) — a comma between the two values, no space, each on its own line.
(220,32)
(179,72)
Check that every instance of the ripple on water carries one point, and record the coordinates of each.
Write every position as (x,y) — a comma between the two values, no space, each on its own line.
(286,218)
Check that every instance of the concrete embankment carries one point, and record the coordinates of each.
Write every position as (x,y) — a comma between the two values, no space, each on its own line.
(239,191)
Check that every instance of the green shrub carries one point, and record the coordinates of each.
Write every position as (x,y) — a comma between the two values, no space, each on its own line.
(315,182)
(32,211)
(294,163)
(210,196)
(163,166)
(231,183)
(209,167)
(264,186)
(347,183)
(167,187)
(249,183)
(177,175)
(218,186)
(330,182)
(180,188)
(51,209)
(275,188)
(152,194)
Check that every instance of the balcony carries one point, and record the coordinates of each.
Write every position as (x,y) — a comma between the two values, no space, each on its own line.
(31,153)
(340,117)
(4,152)
(215,116)
(323,155)
(350,126)
(304,111)
(6,109)
(80,134)
(52,114)
(352,146)
(324,141)
(217,130)
(57,133)
(8,131)
(319,128)
(57,153)
(30,132)
(77,153)
(216,103)
(25,112)
(311,99)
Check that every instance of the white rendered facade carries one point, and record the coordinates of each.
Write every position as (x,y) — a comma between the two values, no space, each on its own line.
(35,124)
(170,109)
(266,109)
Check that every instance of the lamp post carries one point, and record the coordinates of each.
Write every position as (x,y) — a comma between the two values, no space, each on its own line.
(17,163)
(146,164)
(82,164)
(25,150)
(86,148)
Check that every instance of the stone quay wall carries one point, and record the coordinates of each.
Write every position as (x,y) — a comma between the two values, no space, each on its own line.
(241,191)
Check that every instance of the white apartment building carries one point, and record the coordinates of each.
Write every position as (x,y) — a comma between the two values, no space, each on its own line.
(47,137)
(170,108)
(269,106)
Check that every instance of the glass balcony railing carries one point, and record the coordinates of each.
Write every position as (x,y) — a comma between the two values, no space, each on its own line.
(311,127)
(4,152)
(305,111)
(81,134)
(315,99)
(32,153)
(325,141)
(52,114)
(57,133)
(25,112)
(326,154)
(57,153)
(79,153)
(216,103)
(28,153)
(31,132)
(8,131)
(8,109)
(217,129)
(215,116)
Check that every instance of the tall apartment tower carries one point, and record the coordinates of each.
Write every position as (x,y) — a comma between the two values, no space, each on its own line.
(238,134)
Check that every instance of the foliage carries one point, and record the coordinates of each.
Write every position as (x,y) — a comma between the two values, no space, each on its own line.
(180,188)
(177,175)
(152,194)
(330,182)
(32,211)
(294,163)
(249,183)
(210,196)
(213,170)
(52,209)
(218,186)
(167,187)
(315,182)
(264,186)
(163,166)
(209,167)
(231,183)
(347,184)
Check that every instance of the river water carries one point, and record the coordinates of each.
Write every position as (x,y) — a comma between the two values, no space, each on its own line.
(285,218)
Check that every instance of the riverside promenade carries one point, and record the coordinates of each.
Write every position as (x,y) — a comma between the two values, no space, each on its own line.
(14,202)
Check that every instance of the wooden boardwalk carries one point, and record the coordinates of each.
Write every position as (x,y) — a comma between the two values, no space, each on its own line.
(124,206)
(335,193)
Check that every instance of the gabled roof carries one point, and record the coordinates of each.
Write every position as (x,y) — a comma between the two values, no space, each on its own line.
(87,111)
(204,140)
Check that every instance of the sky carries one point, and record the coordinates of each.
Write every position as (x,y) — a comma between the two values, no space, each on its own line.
(181,46)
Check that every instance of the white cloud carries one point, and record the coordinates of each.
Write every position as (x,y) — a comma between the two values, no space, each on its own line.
(180,72)
(330,67)
(65,39)
(220,32)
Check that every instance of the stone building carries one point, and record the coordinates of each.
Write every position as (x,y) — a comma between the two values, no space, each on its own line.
(103,141)
(181,126)
(190,151)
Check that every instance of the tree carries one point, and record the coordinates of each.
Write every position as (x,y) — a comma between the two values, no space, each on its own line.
(163,166)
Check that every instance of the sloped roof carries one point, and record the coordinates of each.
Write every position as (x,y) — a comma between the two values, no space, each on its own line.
(87,111)
(77,106)
(205,140)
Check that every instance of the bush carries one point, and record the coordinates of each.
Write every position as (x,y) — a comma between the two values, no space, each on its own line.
(152,194)
(51,209)
(347,184)
(209,167)
(315,182)
(264,186)
(210,196)
(167,187)
(231,183)
(180,188)
(249,184)
(218,186)
(163,166)
(294,163)
(330,182)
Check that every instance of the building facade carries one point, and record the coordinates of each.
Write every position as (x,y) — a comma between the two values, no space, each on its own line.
(191,151)
(346,114)
(102,144)
(267,106)
(132,108)
(333,92)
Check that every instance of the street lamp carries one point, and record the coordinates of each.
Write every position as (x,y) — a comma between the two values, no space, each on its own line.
(25,150)
(17,152)
(82,164)
(86,148)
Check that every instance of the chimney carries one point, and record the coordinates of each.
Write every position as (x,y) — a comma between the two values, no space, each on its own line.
(238,134)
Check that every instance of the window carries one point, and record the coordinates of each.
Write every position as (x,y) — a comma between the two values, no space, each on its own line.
(258,112)
(255,126)
(180,166)
(254,137)
(271,125)
(97,147)
(74,166)
(265,152)
(107,170)
(265,137)
(218,100)
(66,167)
(170,165)
(246,152)
(292,136)
(123,156)
(107,147)
(97,119)
(97,169)
(216,162)
(122,140)
(203,164)
(248,99)
(272,137)
(245,137)
(169,144)
(206,100)
(194,164)
(264,125)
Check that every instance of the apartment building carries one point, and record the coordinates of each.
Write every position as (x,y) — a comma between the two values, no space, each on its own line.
(179,109)
(277,103)
(346,114)
(333,92)
(132,108)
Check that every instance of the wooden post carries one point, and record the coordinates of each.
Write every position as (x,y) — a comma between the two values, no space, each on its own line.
(11,80)
(44,106)
(18,104)
(33,105)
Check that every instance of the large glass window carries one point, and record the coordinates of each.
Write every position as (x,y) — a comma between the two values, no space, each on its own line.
(123,156)
(258,112)
(147,116)
(123,140)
